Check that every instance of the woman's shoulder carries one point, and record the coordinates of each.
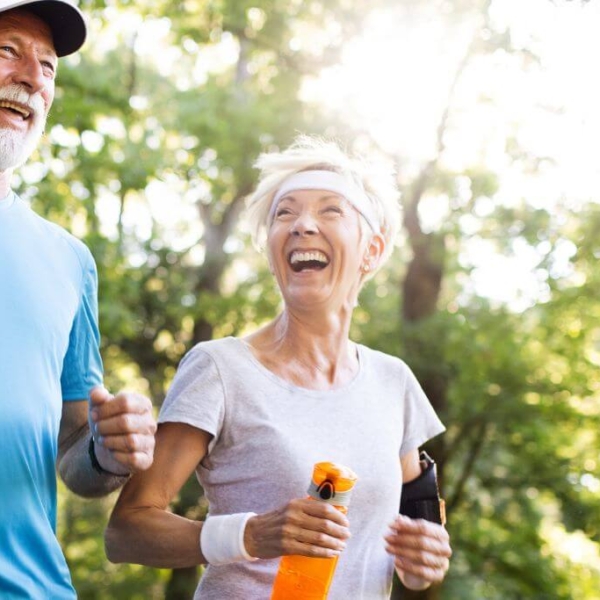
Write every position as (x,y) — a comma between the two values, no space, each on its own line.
(213,350)
(381,360)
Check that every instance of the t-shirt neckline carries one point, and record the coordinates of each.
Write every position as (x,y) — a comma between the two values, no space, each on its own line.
(293,387)
(8,201)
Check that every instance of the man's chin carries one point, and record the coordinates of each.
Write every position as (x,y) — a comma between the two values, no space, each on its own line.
(15,152)
(10,163)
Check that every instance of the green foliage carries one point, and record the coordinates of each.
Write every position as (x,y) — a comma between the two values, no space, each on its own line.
(521,456)
(81,530)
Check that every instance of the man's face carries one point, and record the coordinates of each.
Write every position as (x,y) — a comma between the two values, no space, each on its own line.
(28,64)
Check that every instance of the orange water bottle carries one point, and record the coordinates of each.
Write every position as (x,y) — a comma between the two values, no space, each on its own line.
(302,577)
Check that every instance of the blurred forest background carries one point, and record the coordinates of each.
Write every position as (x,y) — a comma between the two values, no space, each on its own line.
(488,109)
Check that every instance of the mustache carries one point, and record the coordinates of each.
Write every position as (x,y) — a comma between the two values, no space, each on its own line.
(19,95)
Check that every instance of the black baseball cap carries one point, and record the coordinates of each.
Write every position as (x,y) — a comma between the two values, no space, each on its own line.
(64,19)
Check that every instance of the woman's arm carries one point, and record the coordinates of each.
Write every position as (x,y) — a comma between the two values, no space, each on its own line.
(421,549)
(141,530)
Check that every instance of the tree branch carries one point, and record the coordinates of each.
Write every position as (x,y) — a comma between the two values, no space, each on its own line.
(468,467)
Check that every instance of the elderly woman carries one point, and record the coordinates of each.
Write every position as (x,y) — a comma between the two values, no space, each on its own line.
(251,416)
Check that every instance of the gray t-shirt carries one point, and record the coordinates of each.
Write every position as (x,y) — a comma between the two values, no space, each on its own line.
(268,434)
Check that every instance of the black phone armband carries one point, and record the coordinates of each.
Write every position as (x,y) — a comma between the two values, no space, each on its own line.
(421,496)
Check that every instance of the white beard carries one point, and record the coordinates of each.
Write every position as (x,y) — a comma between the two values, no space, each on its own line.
(17,146)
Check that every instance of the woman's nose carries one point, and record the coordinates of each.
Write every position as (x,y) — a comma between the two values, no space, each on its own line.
(305,224)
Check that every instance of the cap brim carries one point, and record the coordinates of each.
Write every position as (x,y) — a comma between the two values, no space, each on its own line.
(64,19)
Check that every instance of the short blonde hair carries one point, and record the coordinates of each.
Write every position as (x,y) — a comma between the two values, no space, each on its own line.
(376,178)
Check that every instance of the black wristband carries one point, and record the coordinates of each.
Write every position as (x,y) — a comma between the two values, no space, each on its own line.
(421,497)
(96,465)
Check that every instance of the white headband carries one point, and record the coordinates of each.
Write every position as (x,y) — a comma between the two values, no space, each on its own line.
(332,182)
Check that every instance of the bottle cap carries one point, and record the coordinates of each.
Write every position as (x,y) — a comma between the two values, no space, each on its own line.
(332,483)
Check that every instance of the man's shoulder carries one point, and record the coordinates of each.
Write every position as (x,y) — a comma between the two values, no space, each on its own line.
(60,235)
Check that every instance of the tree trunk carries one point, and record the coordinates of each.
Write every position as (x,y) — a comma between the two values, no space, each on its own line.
(424,345)
(401,593)
(424,336)
(182,584)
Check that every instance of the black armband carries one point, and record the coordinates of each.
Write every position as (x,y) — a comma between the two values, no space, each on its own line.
(421,497)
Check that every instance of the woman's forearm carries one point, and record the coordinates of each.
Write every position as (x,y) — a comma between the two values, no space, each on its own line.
(153,537)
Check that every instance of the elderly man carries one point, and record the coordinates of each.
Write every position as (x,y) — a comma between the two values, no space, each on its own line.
(49,357)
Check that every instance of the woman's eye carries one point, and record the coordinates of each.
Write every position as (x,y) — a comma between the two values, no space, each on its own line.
(333,209)
(282,212)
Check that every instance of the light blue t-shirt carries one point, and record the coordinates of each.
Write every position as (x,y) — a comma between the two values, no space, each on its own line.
(49,353)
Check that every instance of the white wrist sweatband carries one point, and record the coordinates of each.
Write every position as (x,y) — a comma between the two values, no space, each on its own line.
(222,539)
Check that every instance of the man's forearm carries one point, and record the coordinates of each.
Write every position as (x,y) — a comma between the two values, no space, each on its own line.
(80,476)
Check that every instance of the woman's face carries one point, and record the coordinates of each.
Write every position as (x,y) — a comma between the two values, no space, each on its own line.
(316,250)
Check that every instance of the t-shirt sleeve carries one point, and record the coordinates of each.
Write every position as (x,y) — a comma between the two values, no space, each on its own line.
(82,366)
(420,420)
(196,396)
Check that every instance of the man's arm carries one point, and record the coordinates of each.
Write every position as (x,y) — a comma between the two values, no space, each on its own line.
(124,441)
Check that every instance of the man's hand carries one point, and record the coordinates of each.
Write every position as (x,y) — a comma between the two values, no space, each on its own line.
(123,429)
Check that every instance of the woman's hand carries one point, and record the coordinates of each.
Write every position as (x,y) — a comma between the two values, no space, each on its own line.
(421,551)
(302,526)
